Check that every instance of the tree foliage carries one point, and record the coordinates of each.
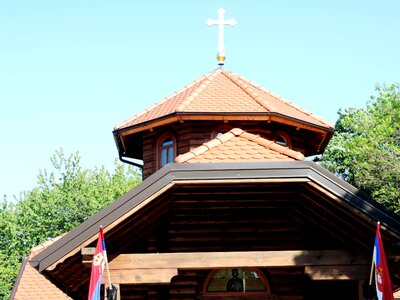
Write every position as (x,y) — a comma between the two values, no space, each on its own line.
(63,198)
(365,149)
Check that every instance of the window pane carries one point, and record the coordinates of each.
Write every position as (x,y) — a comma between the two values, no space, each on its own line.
(163,157)
(280,140)
(167,151)
(245,280)
(170,155)
(167,142)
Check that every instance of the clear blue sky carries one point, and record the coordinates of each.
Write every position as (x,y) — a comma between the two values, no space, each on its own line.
(71,70)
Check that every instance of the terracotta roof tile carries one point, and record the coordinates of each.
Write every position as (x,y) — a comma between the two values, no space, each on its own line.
(238,145)
(222,92)
(32,285)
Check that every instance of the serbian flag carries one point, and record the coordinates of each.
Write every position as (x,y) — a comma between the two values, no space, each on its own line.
(99,260)
(382,277)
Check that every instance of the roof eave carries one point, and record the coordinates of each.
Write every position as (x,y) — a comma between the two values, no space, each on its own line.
(192,173)
(120,133)
(88,230)
(19,277)
(228,116)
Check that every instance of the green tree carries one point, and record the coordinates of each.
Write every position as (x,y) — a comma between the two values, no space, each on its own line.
(365,149)
(64,198)
(9,258)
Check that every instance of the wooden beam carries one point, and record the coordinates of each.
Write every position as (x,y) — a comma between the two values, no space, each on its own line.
(210,260)
(164,276)
(159,268)
(140,276)
(195,117)
(353,272)
(87,254)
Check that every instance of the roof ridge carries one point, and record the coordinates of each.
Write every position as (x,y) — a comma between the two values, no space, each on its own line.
(270,107)
(165,99)
(272,145)
(208,78)
(298,108)
(207,146)
(241,82)
(237,132)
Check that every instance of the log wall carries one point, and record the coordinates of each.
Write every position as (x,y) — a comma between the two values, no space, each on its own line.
(192,134)
(287,283)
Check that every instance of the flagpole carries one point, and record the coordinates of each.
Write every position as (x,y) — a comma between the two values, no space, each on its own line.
(372,271)
(108,273)
(372,263)
(108,268)
(382,275)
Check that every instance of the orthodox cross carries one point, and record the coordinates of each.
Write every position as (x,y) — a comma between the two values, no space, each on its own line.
(221,22)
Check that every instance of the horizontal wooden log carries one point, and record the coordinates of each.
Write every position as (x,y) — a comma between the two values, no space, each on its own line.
(353,272)
(210,260)
(88,251)
(87,254)
(159,268)
(140,276)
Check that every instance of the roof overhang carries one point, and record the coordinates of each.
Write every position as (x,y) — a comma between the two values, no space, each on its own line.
(227,116)
(175,175)
(120,134)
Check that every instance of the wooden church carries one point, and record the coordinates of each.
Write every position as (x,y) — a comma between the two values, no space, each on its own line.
(228,208)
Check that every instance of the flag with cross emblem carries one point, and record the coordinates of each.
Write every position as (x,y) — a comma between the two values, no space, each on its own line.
(98,262)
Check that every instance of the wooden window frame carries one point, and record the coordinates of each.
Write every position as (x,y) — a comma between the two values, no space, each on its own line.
(284,136)
(160,148)
(266,294)
(224,128)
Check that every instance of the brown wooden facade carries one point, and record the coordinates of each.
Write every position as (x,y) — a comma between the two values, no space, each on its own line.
(308,233)
(293,230)
(191,134)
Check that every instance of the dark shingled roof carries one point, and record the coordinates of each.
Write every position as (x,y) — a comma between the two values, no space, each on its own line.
(174,173)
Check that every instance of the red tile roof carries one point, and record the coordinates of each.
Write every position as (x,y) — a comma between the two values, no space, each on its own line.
(223,92)
(238,145)
(31,284)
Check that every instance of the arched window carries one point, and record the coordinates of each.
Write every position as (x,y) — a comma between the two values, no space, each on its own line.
(236,281)
(220,130)
(166,151)
(281,138)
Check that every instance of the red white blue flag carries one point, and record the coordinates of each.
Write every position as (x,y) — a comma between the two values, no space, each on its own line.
(382,277)
(99,260)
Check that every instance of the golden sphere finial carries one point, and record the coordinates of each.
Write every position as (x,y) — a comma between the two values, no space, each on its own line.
(221,59)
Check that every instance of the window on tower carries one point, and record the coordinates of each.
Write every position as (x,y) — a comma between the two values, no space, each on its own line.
(283,139)
(220,130)
(280,140)
(166,151)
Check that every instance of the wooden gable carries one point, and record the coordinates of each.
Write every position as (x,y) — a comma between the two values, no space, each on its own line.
(239,201)
(293,222)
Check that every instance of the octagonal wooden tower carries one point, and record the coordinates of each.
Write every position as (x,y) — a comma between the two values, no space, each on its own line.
(211,105)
